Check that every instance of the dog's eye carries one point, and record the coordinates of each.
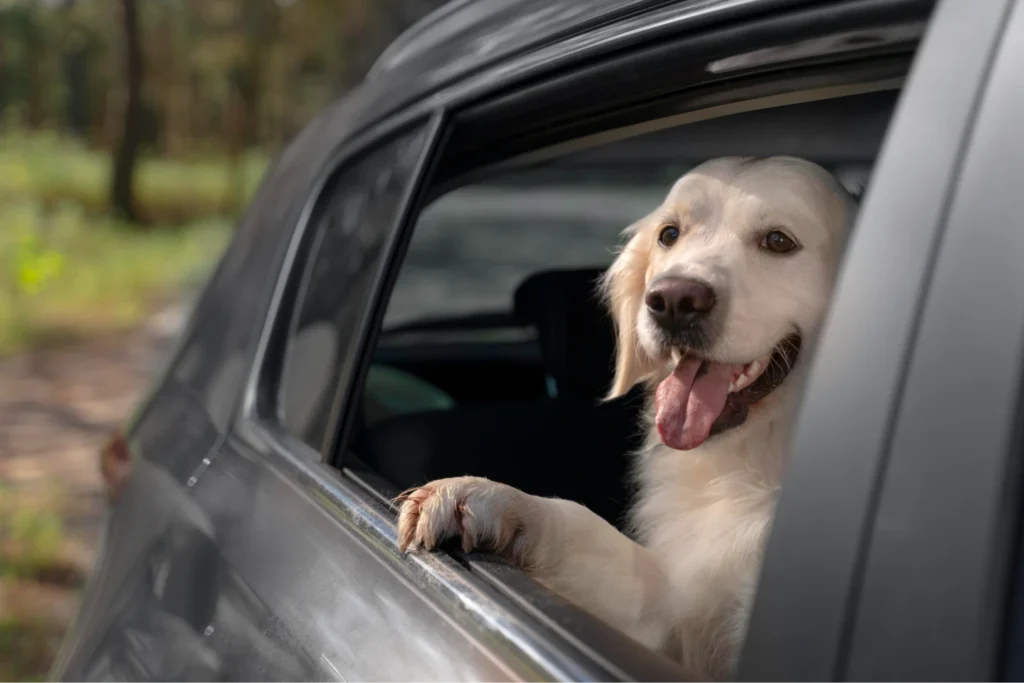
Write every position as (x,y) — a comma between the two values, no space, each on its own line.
(778,242)
(668,236)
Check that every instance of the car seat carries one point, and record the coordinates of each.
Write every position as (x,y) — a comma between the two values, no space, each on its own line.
(569,444)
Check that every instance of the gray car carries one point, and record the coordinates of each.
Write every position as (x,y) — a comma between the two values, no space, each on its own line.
(410,296)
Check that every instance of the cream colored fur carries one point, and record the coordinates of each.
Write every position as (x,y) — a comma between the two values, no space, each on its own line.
(702,515)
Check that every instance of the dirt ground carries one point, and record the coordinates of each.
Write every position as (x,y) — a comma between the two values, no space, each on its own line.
(57,406)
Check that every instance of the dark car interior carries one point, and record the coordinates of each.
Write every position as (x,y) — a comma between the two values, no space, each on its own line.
(515,394)
(517,416)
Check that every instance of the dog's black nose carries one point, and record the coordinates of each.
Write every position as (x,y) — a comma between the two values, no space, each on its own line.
(678,303)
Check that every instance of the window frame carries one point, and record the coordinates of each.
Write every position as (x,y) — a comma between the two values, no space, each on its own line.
(561,648)
(260,402)
(298,283)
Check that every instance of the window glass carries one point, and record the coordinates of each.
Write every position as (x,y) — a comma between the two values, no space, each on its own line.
(351,226)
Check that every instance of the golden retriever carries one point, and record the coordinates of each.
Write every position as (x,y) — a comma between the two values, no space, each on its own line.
(713,296)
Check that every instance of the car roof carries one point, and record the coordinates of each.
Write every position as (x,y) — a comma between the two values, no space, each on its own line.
(469,46)
(464,36)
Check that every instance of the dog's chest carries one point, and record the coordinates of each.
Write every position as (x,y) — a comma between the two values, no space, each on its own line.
(707,525)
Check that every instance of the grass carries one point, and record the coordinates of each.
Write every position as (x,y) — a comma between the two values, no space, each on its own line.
(27,648)
(32,541)
(33,572)
(52,169)
(68,270)
(65,275)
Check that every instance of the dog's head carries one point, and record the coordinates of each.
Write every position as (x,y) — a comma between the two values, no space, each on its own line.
(716,288)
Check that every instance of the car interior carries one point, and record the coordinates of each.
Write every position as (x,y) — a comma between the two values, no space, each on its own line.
(496,351)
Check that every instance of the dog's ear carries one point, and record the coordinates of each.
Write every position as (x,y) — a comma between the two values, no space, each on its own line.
(622,288)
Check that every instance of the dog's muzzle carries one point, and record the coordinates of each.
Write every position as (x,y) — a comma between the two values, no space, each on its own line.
(681,307)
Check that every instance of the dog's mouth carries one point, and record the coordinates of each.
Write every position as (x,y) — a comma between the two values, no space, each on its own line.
(702,398)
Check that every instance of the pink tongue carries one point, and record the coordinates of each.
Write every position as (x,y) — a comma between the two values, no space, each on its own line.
(686,406)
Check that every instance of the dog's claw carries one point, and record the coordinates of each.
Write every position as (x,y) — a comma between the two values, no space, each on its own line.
(480,512)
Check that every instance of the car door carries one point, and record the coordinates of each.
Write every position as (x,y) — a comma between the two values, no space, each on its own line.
(896,529)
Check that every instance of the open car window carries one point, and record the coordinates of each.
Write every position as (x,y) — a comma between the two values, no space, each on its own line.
(495,340)
(473,246)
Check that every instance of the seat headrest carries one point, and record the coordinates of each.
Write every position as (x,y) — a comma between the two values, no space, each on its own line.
(575,331)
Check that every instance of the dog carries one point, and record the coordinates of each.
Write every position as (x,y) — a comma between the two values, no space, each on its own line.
(714,296)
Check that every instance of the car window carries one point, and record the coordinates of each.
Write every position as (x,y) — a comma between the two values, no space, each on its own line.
(494,337)
(351,224)
(471,248)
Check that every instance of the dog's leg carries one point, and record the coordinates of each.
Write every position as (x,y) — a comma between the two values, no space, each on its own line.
(560,543)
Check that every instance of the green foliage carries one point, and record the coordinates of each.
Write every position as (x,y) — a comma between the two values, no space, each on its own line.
(68,270)
(27,646)
(31,539)
(54,170)
(82,276)
(30,261)
(30,542)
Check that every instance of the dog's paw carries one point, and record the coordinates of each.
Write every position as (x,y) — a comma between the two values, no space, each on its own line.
(485,514)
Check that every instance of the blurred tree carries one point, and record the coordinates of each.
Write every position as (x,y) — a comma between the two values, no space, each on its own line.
(75,57)
(186,78)
(122,195)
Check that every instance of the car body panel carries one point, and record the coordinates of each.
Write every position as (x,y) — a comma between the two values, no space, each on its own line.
(842,437)
(945,520)
(356,616)
(466,36)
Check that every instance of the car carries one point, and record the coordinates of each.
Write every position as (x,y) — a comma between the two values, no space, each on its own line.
(410,295)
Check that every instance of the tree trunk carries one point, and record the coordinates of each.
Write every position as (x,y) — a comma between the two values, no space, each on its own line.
(76,105)
(122,191)
(76,74)
(35,115)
